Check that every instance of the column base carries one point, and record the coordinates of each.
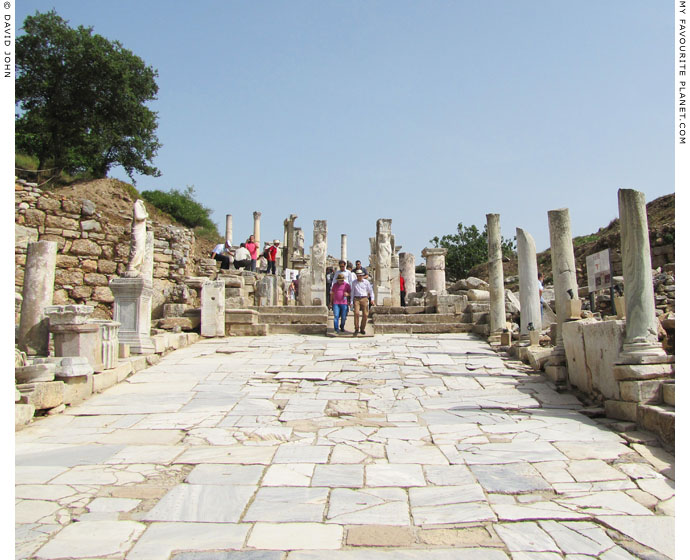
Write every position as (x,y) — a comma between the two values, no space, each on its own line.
(641,352)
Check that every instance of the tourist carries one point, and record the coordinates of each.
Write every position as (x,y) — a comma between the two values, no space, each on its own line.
(272,251)
(339,297)
(362,296)
(262,261)
(402,292)
(343,269)
(253,249)
(219,254)
(329,283)
(242,258)
(358,266)
(540,279)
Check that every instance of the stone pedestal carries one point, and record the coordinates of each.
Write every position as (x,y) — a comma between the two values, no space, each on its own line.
(564,279)
(39,279)
(257,229)
(110,341)
(132,309)
(213,308)
(77,375)
(82,340)
(641,336)
(228,229)
(435,269)
(530,308)
(74,335)
(497,314)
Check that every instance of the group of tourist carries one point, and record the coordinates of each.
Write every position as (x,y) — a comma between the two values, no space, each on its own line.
(346,288)
(246,256)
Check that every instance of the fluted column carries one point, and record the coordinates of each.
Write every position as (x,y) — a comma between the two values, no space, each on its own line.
(343,247)
(563,270)
(496,290)
(641,336)
(530,308)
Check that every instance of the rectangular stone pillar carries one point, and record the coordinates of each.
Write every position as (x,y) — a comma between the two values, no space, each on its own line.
(213,308)
(110,342)
(384,251)
(73,335)
(319,251)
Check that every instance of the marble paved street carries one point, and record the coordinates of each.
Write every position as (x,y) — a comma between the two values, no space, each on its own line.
(394,447)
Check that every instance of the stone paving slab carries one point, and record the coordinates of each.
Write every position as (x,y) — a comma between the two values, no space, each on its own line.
(294,447)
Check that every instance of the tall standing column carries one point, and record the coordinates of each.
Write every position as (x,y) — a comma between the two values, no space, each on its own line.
(343,247)
(641,336)
(530,308)
(435,269)
(496,291)
(257,229)
(37,294)
(228,229)
(563,270)
(407,272)
(382,272)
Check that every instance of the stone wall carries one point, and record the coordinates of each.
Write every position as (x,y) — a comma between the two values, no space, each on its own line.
(93,248)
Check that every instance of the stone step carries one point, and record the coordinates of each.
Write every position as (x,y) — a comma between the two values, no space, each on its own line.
(397,310)
(290,318)
(246,329)
(658,419)
(290,328)
(421,328)
(482,330)
(293,309)
(417,319)
(669,393)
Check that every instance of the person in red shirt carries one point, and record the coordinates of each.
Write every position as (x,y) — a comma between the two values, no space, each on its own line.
(253,249)
(402,292)
(271,257)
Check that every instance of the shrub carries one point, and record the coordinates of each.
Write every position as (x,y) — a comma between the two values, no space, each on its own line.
(182,206)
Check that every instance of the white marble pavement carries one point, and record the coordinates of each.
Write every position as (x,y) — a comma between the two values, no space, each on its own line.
(309,448)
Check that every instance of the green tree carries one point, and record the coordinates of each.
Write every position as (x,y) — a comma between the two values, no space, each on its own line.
(468,248)
(82,99)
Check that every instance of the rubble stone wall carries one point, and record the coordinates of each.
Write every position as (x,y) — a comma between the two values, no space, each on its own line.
(92,250)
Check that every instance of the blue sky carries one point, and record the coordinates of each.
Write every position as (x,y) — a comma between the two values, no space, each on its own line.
(428,113)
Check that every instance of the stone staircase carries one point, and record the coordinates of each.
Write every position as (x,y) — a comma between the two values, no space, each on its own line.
(660,417)
(416,320)
(298,319)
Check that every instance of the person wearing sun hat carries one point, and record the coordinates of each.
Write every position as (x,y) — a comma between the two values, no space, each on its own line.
(362,296)
(271,257)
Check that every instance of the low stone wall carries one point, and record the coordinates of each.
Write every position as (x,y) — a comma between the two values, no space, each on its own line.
(92,250)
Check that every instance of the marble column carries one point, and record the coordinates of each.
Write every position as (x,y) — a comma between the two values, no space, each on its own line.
(435,269)
(39,280)
(343,247)
(641,336)
(228,229)
(497,298)
(530,308)
(257,229)
(319,251)
(563,270)
(407,272)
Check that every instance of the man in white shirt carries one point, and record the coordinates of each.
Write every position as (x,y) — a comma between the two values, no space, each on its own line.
(362,295)
(349,275)
(243,258)
(219,253)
